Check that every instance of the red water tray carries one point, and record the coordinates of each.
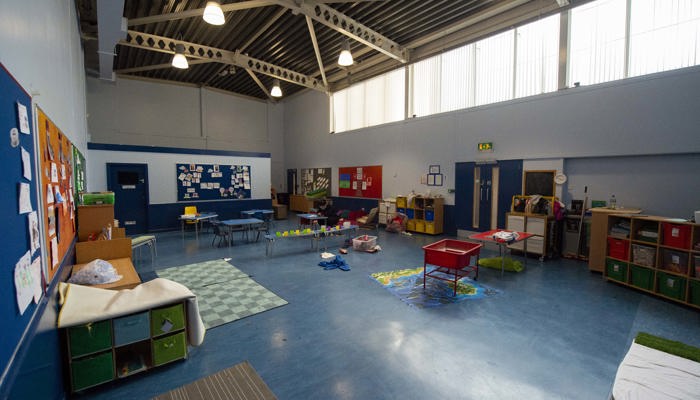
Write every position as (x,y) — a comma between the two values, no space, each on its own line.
(453,259)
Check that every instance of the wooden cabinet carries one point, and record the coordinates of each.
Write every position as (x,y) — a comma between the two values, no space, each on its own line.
(300,203)
(425,214)
(539,225)
(387,208)
(102,351)
(599,234)
(657,255)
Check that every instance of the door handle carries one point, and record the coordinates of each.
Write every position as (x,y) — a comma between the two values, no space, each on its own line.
(487,195)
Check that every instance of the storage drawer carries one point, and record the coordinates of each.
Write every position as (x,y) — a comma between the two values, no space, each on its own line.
(515,223)
(382,217)
(429,215)
(420,226)
(618,248)
(91,371)
(411,225)
(131,328)
(616,270)
(535,245)
(401,202)
(167,319)
(169,348)
(671,285)
(536,225)
(410,213)
(383,208)
(430,228)
(675,261)
(642,277)
(694,297)
(644,255)
(676,235)
(90,338)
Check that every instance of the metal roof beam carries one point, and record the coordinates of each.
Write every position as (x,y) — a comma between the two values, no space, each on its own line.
(262,87)
(164,44)
(310,24)
(198,12)
(156,66)
(349,27)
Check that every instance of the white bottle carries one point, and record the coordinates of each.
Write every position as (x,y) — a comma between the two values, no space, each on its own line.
(613,202)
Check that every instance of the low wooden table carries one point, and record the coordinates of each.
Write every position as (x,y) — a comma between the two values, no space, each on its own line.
(130,279)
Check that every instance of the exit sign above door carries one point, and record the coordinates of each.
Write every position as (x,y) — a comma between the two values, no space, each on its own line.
(486,146)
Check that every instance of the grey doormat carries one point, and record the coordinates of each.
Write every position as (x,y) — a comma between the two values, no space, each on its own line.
(239,382)
(224,293)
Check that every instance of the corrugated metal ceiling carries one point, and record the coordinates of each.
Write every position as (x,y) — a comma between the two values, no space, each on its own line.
(276,32)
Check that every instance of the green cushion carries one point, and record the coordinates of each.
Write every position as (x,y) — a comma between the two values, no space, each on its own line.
(495,263)
(142,239)
(669,346)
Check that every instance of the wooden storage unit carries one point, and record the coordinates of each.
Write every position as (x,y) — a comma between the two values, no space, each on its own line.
(91,219)
(103,351)
(387,208)
(599,235)
(539,225)
(425,214)
(656,255)
(299,202)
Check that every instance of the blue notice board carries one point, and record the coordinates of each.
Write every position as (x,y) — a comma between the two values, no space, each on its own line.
(18,179)
(213,182)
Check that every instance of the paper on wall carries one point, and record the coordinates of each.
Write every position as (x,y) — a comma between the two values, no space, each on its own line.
(54,173)
(25,201)
(33,231)
(49,194)
(54,252)
(23,118)
(26,165)
(24,282)
(35,269)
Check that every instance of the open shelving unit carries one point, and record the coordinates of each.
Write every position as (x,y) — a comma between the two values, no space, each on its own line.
(657,255)
(425,214)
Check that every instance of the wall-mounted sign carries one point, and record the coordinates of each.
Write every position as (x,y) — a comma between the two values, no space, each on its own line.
(485,147)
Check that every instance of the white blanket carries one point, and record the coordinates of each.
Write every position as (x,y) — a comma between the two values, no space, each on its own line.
(83,304)
(647,373)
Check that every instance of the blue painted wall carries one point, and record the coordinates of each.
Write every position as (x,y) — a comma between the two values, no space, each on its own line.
(163,217)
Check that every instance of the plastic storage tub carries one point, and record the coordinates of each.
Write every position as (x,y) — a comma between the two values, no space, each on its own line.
(643,255)
(618,248)
(676,235)
(364,243)
(616,270)
(96,198)
(675,261)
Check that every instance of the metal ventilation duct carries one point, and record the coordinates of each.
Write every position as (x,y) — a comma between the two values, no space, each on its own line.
(111,28)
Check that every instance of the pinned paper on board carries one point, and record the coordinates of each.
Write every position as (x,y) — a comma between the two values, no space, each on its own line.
(52,221)
(23,118)
(26,165)
(35,269)
(54,252)
(25,201)
(49,194)
(24,282)
(54,173)
(33,221)
(63,171)
(14,137)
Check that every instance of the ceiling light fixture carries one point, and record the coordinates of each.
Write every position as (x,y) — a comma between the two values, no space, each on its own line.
(213,13)
(276,90)
(179,59)
(345,57)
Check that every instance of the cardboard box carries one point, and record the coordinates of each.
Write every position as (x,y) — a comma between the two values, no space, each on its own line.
(130,279)
(91,219)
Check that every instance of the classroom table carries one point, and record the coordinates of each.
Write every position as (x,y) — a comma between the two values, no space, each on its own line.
(197,219)
(317,236)
(266,215)
(488,236)
(308,220)
(246,223)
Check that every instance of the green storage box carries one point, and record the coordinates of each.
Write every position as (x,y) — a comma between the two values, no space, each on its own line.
(90,338)
(642,277)
(672,286)
(167,319)
(694,297)
(616,270)
(169,348)
(92,371)
(93,198)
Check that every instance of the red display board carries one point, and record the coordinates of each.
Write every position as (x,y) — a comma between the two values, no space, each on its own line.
(360,182)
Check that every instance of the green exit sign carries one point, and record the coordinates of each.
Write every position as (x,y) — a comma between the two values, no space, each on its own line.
(486,146)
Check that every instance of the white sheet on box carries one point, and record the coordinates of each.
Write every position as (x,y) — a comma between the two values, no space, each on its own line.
(647,373)
(83,304)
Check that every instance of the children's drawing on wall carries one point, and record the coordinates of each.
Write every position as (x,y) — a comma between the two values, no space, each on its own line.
(316,182)
(33,221)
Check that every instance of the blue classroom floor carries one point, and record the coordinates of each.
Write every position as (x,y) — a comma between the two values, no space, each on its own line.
(555,330)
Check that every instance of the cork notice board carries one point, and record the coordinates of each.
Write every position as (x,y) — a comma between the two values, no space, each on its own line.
(56,175)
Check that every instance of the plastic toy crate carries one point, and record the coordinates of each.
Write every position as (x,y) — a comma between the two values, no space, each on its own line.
(694,297)
(671,285)
(642,277)
(675,261)
(364,243)
(95,198)
(676,235)
(616,270)
(618,248)
(643,255)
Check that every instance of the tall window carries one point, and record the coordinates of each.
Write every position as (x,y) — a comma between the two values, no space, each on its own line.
(664,35)
(537,57)
(494,68)
(597,42)
(372,102)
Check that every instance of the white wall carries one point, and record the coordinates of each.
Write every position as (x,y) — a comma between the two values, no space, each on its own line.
(40,46)
(162,172)
(138,112)
(655,114)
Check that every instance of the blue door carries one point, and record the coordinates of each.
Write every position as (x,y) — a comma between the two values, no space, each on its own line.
(129,182)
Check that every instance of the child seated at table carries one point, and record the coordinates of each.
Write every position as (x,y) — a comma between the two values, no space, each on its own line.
(326,209)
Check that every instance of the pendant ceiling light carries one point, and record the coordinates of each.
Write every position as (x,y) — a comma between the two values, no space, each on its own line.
(179,59)
(276,89)
(345,57)
(213,13)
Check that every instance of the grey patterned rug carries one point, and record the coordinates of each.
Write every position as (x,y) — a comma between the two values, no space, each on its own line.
(224,292)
